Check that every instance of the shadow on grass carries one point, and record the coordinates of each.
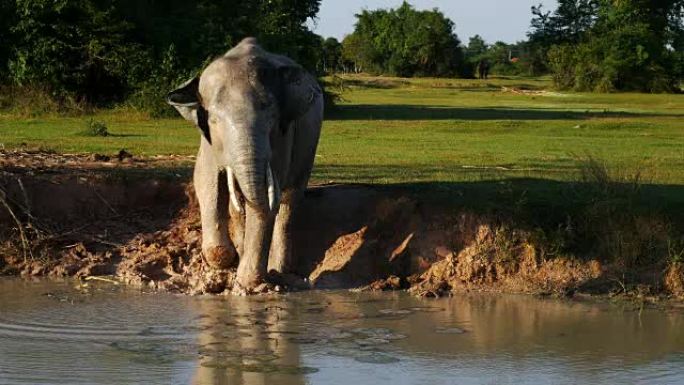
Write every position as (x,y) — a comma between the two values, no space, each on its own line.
(527,197)
(109,135)
(416,112)
(544,201)
(378,83)
(383,174)
(464,84)
(126,135)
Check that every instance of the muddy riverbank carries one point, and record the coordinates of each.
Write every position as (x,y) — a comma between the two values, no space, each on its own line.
(136,220)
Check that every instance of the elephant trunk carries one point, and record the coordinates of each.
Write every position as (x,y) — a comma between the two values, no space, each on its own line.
(257,183)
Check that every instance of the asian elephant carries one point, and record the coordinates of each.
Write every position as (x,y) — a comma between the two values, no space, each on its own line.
(260,118)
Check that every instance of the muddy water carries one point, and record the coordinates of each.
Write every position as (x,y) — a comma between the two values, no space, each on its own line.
(57,333)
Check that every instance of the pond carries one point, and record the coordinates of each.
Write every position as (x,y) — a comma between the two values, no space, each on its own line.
(59,332)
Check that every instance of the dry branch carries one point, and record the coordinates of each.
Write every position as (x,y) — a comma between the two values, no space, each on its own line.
(20,226)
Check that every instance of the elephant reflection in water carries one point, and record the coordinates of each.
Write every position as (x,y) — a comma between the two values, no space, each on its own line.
(253,341)
(247,343)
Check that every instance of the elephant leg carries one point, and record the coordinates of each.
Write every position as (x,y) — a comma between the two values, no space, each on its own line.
(212,194)
(281,259)
(251,271)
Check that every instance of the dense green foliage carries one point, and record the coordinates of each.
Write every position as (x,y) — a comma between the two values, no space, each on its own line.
(606,45)
(331,56)
(404,42)
(103,51)
(84,53)
(503,58)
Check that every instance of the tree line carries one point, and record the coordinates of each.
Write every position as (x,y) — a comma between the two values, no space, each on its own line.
(607,45)
(102,52)
(105,52)
(586,45)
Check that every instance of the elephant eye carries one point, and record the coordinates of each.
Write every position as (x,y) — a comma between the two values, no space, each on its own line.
(264,74)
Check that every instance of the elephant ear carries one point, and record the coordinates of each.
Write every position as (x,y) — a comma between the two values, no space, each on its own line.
(299,91)
(185,99)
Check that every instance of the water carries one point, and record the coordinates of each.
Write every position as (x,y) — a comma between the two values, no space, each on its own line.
(56,333)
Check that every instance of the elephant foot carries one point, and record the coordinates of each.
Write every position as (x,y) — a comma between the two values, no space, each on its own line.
(220,257)
(247,281)
(262,288)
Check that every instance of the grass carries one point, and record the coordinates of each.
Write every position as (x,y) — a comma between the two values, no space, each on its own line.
(454,130)
(390,130)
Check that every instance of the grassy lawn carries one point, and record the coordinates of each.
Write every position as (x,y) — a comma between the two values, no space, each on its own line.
(390,130)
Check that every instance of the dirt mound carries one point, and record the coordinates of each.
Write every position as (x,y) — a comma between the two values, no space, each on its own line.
(172,259)
(503,260)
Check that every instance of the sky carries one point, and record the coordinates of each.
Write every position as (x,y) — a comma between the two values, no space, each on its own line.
(505,20)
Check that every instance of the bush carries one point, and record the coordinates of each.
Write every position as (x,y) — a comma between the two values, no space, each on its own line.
(96,128)
(150,95)
(404,42)
(562,64)
(34,100)
(629,47)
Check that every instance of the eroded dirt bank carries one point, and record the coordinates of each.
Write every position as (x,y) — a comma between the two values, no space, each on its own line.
(137,220)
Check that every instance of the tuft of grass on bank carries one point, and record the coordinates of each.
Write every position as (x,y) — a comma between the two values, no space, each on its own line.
(95,128)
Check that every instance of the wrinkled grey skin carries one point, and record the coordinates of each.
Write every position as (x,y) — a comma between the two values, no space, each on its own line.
(260,116)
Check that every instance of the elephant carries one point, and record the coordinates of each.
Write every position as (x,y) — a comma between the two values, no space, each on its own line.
(260,116)
(483,69)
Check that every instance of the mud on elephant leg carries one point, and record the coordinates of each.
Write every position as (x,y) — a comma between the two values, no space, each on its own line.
(251,271)
(281,258)
(212,194)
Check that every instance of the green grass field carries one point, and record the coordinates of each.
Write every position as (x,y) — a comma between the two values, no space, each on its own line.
(390,130)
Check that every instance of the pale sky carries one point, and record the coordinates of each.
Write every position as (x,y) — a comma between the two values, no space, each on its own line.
(505,20)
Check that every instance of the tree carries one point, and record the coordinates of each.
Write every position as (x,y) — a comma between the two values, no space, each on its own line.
(404,42)
(331,56)
(7,9)
(476,47)
(104,51)
(352,53)
(566,24)
(610,45)
(71,46)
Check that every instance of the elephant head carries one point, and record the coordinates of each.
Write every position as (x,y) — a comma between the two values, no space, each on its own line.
(242,102)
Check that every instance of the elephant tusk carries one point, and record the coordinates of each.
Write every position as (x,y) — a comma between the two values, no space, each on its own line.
(232,192)
(273,189)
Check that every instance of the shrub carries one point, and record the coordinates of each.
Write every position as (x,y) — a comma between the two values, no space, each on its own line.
(31,101)
(562,64)
(96,128)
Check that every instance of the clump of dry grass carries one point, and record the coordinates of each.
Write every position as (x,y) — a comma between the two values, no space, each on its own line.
(34,101)
(615,221)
